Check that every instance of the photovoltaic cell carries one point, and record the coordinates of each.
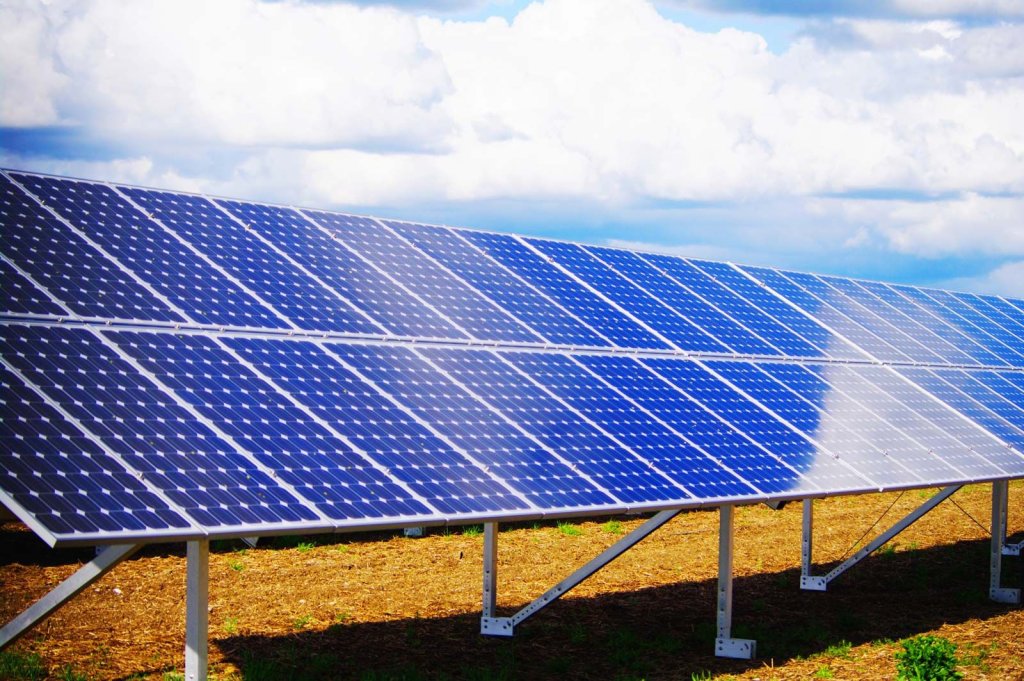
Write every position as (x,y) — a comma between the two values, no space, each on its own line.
(74,272)
(819,467)
(473,427)
(999,340)
(414,270)
(583,303)
(958,390)
(124,411)
(375,424)
(762,327)
(805,404)
(869,319)
(570,381)
(827,314)
(156,257)
(586,449)
(367,289)
(964,350)
(701,428)
(64,479)
(508,291)
(301,452)
(178,366)
(20,295)
(929,347)
(676,313)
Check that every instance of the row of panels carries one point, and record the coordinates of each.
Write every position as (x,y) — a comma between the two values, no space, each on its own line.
(140,434)
(75,248)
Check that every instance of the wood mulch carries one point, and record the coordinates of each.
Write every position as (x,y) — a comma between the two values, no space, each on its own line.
(380,606)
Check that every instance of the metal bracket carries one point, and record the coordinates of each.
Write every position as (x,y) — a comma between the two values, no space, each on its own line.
(810,582)
(505,626)
(66,590)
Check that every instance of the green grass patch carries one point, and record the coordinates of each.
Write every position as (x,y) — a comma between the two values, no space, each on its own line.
(17,666)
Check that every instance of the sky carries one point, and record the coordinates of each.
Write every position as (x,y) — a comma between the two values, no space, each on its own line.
(882,139)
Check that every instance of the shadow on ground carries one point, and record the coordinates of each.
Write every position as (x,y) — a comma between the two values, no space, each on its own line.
(658,633)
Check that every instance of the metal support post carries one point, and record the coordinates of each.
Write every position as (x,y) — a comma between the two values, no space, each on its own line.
(505,626)
(820,583)
(725,645)
(490,590)
(83,577)
(1000,503)
(197,597)
(807,580)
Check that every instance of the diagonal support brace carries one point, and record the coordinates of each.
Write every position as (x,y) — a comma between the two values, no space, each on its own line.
(66,590)
(505,626)
(811,582)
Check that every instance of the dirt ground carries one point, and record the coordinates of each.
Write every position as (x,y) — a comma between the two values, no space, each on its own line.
(381,607)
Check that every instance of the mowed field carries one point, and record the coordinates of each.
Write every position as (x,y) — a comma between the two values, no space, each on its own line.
(383,607)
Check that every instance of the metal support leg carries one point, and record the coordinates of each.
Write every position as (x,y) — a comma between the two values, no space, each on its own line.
(725,645)
(505,626)
(820,583)
(197,597)
(488,623)
(1000,503)
(83,577)
(807,580)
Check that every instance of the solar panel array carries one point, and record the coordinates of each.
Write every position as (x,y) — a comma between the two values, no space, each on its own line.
(178,366)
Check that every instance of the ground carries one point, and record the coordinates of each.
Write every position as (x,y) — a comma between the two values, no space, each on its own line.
(383,607)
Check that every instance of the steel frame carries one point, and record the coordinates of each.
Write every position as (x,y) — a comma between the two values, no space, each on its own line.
(1000,548)
(810,582)
(725,645)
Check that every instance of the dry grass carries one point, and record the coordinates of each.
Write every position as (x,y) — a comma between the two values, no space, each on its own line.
(385,607)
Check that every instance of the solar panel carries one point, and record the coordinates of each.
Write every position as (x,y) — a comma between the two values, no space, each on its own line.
(181,366)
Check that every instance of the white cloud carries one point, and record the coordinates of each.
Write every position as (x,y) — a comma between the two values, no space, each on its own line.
(966,225)
(599,101)
(1005,280)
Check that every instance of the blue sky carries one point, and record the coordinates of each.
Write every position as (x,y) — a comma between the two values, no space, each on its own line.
(875,139)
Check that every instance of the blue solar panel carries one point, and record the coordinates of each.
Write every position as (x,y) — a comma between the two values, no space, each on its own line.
(827,314)
(21,296)
(68,267)
(824,342)
(474,428)
(929,347)
(655,441)
(869,319)
(178,366)
(365,287)
(779,339)
(317,464)
(953,339)
(707,432)
(414,270)
(217,486)
(163,262)
(690,323)
(677,320)
(818,466)
(406,448)
(542,314)
(969,397)
(805,404)
(253,263)
(987,331)
(1002,313)
(64,479)
(594,311)
(587,450)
